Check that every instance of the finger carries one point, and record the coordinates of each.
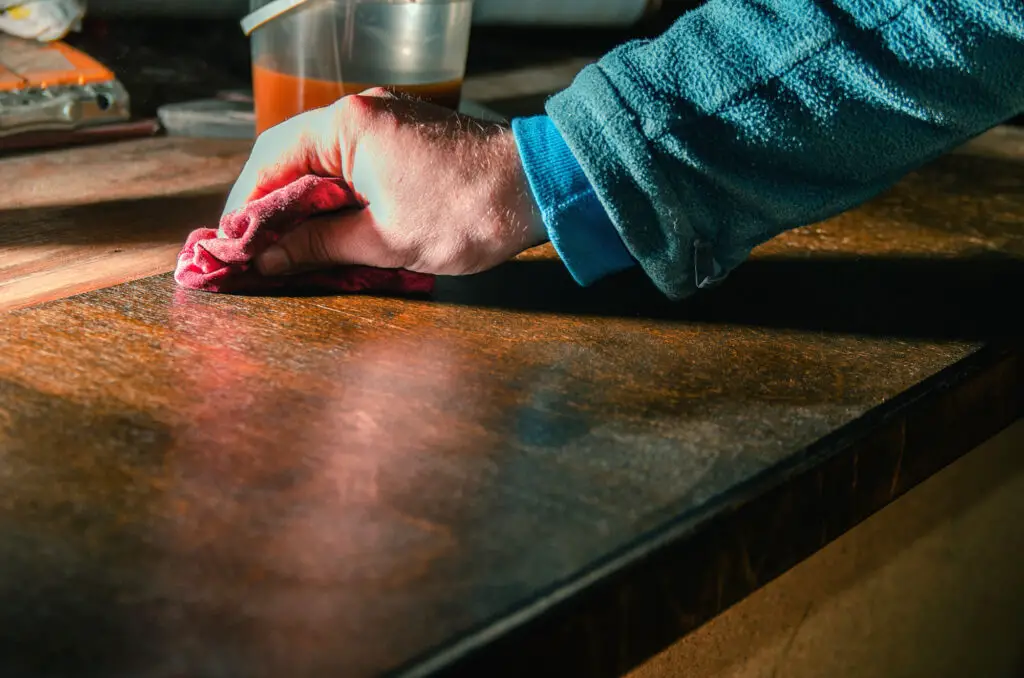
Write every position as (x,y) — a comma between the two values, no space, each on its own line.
(347,238)
(309,143)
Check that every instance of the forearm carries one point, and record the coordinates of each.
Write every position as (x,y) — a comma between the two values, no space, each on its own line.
(748,119)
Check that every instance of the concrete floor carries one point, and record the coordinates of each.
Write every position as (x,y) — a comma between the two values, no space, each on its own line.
(930,587)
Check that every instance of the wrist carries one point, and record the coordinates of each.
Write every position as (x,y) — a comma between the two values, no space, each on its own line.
(574,217)
(529,218)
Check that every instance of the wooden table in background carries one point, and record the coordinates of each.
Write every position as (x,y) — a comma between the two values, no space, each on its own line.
(514,476)
(84,218)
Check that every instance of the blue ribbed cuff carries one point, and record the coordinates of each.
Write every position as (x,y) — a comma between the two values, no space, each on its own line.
(577,224)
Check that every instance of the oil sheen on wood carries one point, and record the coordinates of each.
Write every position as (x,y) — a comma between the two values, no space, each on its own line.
(84,218)
(196,484)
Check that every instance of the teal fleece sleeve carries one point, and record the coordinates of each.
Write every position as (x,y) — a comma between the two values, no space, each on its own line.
(751,117)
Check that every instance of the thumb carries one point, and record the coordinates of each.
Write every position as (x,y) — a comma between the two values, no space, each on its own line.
(348,238)
(309,143)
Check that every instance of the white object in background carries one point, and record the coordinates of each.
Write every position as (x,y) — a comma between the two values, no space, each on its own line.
(42,20)
(562,12)
(476,110)
(608,13)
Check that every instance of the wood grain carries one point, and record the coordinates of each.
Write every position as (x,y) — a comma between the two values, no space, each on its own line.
(146,168)
(80,219)
(514,473)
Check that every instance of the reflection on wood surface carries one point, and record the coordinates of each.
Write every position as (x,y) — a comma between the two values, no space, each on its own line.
(84,218)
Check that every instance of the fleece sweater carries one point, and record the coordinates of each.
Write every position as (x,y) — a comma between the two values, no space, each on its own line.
(751,117)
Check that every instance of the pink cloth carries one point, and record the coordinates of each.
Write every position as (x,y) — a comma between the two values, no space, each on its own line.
(224,263)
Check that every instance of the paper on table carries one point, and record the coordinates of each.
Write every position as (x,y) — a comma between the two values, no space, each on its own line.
(42,20)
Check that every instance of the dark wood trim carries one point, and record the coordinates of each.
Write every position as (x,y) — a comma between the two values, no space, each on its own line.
(608,620)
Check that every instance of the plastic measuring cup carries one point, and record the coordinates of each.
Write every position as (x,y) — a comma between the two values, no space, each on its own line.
(309,53)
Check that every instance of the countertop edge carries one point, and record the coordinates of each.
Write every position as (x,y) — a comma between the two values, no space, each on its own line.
(609,619)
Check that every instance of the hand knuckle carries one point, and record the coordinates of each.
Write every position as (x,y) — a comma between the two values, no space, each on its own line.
(349,109)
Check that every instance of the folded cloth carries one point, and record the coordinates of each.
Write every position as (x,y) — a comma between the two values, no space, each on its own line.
(223,261)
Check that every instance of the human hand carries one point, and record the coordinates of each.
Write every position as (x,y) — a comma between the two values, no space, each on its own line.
(434,191)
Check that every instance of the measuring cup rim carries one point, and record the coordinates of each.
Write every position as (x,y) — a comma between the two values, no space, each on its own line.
(272,10)
(267,12)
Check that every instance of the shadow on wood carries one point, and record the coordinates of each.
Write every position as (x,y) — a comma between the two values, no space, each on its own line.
(52,252)
(954,299)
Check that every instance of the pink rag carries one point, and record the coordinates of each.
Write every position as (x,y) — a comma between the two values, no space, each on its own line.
(224,263)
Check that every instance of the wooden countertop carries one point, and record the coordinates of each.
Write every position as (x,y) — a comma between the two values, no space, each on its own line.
(513,473)
(80,219)
(84,218)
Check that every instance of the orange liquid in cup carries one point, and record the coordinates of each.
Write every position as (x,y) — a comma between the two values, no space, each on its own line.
(279,97)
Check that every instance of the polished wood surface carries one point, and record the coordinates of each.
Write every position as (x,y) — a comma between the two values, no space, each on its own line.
(209,485)
(80,219)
